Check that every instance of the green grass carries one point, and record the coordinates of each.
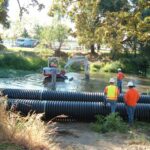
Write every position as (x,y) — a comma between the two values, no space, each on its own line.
(31,50)
(9,146)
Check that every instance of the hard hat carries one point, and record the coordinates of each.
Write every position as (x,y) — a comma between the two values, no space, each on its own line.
(112,80)
(119,69)
(130,84)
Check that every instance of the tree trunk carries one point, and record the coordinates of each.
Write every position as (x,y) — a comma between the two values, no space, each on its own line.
(92,49)
(134,48)
(57,51)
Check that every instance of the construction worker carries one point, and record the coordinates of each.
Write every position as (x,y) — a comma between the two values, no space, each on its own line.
(112,92)
(120,77)
(131,98)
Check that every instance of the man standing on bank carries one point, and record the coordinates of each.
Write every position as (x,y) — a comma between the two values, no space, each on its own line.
(131,98)
(120,77)
(112,92)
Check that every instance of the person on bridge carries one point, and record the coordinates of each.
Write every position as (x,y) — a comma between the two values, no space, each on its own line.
(120,77)
(131,98)
(112,92)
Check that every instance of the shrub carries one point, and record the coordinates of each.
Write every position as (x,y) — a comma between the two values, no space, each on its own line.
(110,123)
(138,65)
(2,47)
(95,67)
(14,61)
(112,67)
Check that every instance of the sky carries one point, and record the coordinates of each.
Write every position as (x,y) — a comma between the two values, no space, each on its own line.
(28,21)
(39,17)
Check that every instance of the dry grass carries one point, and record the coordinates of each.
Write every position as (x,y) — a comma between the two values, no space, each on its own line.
(29,132)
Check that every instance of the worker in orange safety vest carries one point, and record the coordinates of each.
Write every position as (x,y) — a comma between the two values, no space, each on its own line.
(112,92)
(131,98)
(120,76)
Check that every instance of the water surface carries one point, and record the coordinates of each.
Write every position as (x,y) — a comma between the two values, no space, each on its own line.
(96,83)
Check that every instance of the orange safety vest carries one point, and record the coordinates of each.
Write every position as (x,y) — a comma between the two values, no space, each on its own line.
(111,92)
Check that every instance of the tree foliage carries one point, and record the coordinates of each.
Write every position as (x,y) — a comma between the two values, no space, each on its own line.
(25,8)
(25,33)
(137,26)
(113,5)
(3,13)
(126,29)
(88,16)
(52,36)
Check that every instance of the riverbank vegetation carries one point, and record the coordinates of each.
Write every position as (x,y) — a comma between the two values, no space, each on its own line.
(26,132)
(16,62)
(21,61)
(120,26)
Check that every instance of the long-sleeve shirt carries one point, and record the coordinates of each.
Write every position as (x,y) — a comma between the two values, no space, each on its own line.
(120,76)
(131,97)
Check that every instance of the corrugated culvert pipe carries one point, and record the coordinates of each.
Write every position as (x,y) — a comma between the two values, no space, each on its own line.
(64,96)
(85,111)
(143,99)
(53,95)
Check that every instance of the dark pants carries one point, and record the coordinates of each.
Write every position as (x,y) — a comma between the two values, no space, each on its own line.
(119,85)
(130,112)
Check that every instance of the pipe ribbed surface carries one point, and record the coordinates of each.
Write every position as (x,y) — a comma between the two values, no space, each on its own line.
(64,96)
(77,110)
(53,95)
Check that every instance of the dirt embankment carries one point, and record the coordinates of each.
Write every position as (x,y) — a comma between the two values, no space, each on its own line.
(79,136)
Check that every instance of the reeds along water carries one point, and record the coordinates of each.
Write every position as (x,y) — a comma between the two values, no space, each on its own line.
(29,132)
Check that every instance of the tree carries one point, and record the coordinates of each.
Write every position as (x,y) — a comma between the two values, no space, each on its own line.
(16,30)
(137,26)
(86,22)
(112,33)
(24,8)
(3,13)
(127,28)
(53,36)
(25,33)
(87,16)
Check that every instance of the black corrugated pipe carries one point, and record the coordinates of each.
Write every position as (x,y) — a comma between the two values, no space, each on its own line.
(64,96)
(53,95)
(143,99)
(77,110)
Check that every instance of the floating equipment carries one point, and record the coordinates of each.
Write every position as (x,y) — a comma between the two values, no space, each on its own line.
(85,111)
(64,96)
(76,105)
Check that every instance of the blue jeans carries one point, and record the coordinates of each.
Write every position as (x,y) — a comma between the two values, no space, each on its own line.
(119,85)
(113,105)
(130,112)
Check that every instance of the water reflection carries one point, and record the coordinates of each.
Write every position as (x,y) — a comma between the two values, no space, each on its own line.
(95,84)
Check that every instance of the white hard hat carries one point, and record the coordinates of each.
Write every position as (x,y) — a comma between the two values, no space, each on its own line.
(119,69)
(130,83)
(112,80)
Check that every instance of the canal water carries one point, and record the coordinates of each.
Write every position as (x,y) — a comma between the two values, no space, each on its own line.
(96,83)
